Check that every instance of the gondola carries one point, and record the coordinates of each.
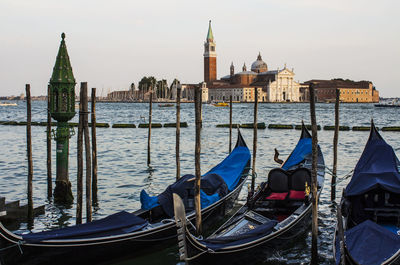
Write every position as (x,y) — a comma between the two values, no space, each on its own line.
(279,211)
(125,235)
(369,211)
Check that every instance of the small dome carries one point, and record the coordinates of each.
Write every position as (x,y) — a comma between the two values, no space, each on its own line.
(259,66)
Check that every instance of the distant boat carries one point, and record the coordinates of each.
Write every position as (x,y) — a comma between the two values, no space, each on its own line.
(166,105)
(392,104)
(221,104)
(8,104)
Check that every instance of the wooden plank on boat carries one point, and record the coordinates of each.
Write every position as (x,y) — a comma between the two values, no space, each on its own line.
(11,205)
(20,213)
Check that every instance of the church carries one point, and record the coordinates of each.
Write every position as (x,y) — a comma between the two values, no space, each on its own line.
(272,85)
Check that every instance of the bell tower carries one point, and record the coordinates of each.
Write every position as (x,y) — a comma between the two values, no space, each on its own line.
(210,57)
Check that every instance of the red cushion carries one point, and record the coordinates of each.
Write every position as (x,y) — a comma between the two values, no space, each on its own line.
(277,196)
(297,194)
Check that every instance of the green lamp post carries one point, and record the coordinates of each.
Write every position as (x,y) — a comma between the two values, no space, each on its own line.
(62,109)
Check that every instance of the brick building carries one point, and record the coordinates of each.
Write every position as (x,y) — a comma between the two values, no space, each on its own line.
(350,91)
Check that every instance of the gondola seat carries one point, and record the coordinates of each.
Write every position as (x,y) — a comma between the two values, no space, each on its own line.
(278,184)
(298,180)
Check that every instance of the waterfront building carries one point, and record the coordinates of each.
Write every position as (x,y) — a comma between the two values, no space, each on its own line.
(350,91)
(188,91)
(273,86)
(124,95)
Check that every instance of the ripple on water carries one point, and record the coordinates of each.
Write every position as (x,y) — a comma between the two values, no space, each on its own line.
(122,155)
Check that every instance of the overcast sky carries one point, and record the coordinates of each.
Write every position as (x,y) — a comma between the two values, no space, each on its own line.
(114,43)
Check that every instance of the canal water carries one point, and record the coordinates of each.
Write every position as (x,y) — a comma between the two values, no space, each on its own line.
(122,155)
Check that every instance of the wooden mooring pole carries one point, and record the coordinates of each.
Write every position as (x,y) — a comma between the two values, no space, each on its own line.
(48,141)
(79,181)
(29,153)
(87,153)
(94,148)
(335,145)
(178,131)
(149,134)
(253,178)
(230,123)
(314,184)
(197,101)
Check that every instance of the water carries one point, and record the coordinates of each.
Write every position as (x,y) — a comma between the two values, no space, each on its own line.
(122,156)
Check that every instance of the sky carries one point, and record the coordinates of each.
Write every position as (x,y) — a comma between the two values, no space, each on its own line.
(114,43)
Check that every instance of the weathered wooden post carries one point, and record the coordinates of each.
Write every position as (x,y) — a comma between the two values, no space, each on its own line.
(62,109)
(314,184)
(29,152)
(253,177)
(87,153)
(178,131)
(94,148)
(149,134)
(48,141)
(230,123)
(79,181)
(197,203)
(335,145)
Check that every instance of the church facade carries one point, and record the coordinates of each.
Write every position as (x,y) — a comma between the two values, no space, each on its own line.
(273,86)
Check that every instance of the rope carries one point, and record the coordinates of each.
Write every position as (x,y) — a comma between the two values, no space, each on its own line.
(250,174)
(340,179)
(18,245)
(196,256)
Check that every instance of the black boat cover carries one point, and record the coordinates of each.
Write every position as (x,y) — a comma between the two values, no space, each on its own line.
(211,184)
(252,235)
(369,243)
(115,224)
(377,167)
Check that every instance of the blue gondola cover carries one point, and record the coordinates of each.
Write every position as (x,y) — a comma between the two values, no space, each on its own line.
(118,223)
(369,243)
(377,167)
(302,149)
(226,174)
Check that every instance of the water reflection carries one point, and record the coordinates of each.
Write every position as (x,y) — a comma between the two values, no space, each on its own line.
(122,160)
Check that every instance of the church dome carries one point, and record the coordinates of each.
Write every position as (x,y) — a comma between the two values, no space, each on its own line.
(259,66)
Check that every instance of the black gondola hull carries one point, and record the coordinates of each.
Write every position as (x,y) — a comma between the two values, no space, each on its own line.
(101,250)
(251,252)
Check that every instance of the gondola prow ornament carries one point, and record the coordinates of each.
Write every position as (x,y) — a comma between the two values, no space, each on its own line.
(62,109)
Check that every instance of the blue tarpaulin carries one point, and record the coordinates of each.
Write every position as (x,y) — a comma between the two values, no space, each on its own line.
(231,168)
(302,149)
(228,171)
(377,167)
(369,243)
(118,223)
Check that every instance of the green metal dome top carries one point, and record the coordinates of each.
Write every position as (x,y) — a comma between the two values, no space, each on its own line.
(210,36)
(62,71)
